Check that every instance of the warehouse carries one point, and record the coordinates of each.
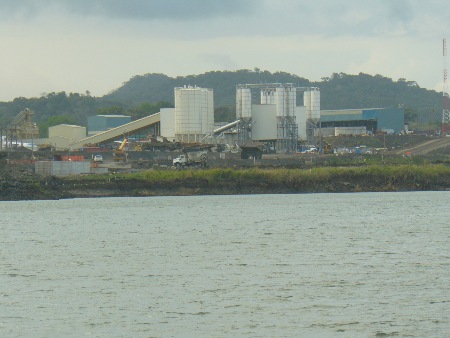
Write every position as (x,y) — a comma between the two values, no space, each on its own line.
(100,123)
(362,121)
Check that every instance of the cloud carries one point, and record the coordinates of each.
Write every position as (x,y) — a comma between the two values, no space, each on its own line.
(131,9)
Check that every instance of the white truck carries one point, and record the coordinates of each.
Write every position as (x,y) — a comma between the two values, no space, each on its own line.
(187,159)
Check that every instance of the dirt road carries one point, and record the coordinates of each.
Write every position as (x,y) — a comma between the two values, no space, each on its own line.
(427,147)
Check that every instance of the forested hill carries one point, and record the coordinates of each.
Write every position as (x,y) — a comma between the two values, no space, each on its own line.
(339,91)
(157,87)
(144,94)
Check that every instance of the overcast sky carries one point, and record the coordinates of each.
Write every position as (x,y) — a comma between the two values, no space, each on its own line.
(96,45)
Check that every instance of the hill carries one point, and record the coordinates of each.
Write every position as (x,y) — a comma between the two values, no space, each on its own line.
(339,91)
(144,94)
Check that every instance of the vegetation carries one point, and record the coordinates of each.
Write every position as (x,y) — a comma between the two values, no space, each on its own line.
(292,176)
(145,94)
(340,179)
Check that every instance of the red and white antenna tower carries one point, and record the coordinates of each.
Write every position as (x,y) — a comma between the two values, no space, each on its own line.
(445,111)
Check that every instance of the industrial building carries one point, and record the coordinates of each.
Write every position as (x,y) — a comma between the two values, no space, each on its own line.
(281,115)
(63,135)
(269,113)
(100,123)
(362,121)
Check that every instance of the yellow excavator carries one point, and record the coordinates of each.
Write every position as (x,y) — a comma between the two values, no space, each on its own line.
(327,148)
(119,153)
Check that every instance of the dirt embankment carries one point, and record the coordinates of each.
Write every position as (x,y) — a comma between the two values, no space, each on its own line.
(20,183)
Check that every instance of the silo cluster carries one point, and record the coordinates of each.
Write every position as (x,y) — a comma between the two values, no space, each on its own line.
(274,115)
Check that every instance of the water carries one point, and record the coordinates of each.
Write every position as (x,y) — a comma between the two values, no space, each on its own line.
(319,265)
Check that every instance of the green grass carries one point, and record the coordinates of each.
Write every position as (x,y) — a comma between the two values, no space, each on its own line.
(286,177)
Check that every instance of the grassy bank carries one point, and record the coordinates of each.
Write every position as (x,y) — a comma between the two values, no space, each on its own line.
(258,180)
(293,176)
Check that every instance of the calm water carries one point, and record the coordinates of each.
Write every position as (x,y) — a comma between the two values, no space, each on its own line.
(320,265)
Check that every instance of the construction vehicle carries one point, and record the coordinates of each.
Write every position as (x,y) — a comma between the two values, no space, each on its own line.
(188,159)
(119,153)
(44,146)
(327,148)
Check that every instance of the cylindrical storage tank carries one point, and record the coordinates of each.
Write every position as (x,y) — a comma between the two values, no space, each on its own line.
(286,101)
(307,103)
(194,110)
(280,101)
(315,104)
(267,96)
(243,103)
(291,98)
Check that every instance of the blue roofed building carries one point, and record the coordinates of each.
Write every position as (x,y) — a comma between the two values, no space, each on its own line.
(100,123)
(362,121)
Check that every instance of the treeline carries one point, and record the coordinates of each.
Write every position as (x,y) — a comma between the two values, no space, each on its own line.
(61,108)
(145,94)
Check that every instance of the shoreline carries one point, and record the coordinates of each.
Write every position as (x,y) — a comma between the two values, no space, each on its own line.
(221,181)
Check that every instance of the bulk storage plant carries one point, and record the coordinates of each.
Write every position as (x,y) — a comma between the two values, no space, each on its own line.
(273,117)
(194,113)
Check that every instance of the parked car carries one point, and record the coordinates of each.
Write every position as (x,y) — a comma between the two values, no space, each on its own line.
(311,150)
(98,158)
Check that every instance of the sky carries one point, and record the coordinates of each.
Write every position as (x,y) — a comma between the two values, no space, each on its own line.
(97,45)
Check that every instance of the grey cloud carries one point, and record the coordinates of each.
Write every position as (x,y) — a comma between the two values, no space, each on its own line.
(372,18)
(133,9)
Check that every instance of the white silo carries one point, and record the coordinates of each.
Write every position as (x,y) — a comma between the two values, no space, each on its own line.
(315,104)
(267,96)
(307,103)
(286,101)
(311,99)
(194,113)
(280,101)
(243,103)
(292,100)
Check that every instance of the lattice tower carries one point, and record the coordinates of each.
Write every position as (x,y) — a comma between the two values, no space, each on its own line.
(445,110)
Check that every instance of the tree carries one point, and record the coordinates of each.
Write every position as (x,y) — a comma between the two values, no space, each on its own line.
(410,116)
(114,110)
(146,109)
(225,114)
(54,121)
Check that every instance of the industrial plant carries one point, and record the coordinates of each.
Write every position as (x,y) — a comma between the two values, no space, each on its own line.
(270,118)
(281,116)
